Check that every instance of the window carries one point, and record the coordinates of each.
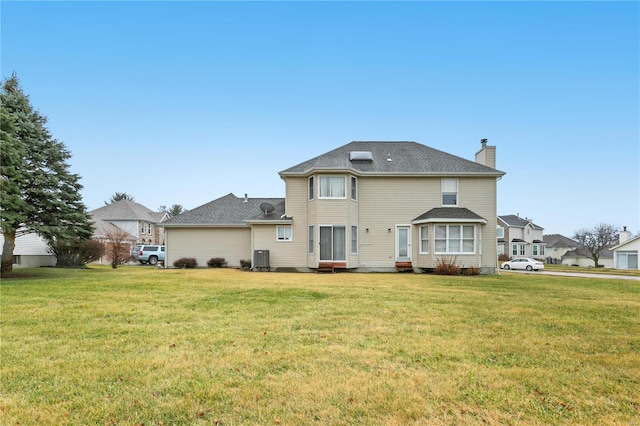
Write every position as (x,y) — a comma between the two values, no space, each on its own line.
(16,259)
(424,239)
(538,250)
(332,187)
(500,232)
(354,188)
(455,239)
(283,233)
(311,188)
(522,249)
(518,249)
(354,240)
(148,228)
(449,192)
(311,240)
(627,260)
(142,228)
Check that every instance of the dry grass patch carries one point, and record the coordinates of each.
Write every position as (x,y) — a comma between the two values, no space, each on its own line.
(218,346)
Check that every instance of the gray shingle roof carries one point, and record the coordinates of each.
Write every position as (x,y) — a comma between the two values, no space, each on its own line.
(560,241)
(393,158)
(450,213)
(126,210)
(229,210)
(518,222)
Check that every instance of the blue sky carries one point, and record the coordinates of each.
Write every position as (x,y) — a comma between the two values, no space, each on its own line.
(184,102)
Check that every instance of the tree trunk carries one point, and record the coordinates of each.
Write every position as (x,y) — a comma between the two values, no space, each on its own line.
(7,252)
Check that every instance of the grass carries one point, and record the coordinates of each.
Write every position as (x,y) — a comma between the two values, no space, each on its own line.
(148,346)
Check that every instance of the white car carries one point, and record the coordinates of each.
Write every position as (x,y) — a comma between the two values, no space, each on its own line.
(523,263)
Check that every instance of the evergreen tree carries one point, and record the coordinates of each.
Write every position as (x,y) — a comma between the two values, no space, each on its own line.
(119,196)
(38,193)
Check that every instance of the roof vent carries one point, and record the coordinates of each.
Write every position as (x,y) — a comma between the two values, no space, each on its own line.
(361,156)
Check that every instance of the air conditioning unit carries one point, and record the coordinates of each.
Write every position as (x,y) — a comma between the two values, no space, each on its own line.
(261,259)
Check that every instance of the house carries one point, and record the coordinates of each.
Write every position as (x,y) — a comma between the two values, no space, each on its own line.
(133,218)
(365,206)
(520,237)
(581,257)
(31,250)
(556,246)
(108,233)
(625,254)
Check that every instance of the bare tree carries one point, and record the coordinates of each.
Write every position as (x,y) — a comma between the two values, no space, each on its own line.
(596,239)
(117,243)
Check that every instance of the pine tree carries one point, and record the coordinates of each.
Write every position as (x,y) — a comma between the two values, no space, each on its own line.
(38,193)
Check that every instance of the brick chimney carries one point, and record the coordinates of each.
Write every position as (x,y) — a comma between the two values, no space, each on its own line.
(487,155)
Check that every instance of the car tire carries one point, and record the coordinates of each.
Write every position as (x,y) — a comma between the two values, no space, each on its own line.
(507,267)
(529,268)
(153,260)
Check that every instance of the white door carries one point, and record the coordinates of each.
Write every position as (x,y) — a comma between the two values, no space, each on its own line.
(403,243)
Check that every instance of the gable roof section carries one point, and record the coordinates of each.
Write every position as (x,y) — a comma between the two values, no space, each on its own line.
(392,159)
(230,210)
(127,210)
(557,240)
(516,221)
(583,252)
(449,214)
(105,229)
(628,242)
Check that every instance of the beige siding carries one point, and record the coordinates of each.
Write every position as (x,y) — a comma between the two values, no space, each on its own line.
(383,203)
(234,244)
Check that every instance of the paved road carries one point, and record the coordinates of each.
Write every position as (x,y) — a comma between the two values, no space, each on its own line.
(576,274)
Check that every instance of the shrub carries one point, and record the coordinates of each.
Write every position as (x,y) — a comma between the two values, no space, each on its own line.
(504,258)
(217,262)
(446,266)
(185,262)
(76,253)
(245,265)
(472,270)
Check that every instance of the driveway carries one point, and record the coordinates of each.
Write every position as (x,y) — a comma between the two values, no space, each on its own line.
(576,274)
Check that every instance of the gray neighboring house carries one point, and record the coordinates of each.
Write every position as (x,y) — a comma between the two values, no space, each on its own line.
(520,237)
(134,218)
(31,250)
(580,257)
(365,206)
(557,246)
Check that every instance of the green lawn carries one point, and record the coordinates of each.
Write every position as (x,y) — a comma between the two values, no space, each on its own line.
(141,345)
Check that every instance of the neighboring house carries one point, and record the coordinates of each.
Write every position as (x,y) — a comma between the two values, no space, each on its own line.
(625,254)
(31,250)
(107,232)
(581,257)
(365,206)
(134,219)
(520,237)
(557,246)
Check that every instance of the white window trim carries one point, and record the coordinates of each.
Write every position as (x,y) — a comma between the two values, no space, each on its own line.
(462,239)
(442,192)
(422,239)
(344,181)
(285,239)
(312,239)
(354,197)
(351,241)
(311,188)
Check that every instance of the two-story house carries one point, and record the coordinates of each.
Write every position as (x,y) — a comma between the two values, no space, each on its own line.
(520,237)
(365,206)
(134,218)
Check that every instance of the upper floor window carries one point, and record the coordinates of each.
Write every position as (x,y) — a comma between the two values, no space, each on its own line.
(449,192)
(311,188)
(354,188)
(500,232)
(142,228)
(148,228)
(332,187)
(283,233)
